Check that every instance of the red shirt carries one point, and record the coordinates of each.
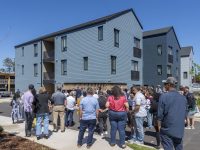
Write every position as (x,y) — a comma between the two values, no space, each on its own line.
(117,105)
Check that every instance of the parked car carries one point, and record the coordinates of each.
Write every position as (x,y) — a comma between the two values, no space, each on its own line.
(195,87)
(5,94)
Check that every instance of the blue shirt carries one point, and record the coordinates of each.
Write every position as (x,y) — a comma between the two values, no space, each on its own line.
(172,113)
(89,105)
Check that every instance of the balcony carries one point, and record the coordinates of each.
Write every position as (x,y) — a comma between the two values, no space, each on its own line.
(12,81)
(170,58)
(135,75)
(3,81)
(137,52)
(48,77)
(48,56)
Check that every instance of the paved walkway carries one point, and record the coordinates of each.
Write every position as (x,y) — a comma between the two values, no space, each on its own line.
(58,141)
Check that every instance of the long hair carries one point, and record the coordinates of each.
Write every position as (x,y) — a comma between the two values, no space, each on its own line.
(116,92)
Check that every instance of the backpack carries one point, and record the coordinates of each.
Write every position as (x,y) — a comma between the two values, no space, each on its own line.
(190,101)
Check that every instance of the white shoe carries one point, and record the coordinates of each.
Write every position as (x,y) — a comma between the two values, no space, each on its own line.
(102,134)
(192,127)
(131,141)
(106,132)
(139,143)
(187,127)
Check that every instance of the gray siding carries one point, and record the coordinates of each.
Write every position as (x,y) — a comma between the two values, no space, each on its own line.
(152,59)
(171,41)
(28,60)
(84,43)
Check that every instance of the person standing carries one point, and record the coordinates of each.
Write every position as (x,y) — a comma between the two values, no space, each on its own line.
(172,108)
(42,113)
(28,100)
(118,107)
(103,114)
(70,105)
(191,108)
(58,101)
(89,107)
(139,114)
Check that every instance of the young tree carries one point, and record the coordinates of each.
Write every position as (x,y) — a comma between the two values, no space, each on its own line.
(9,64)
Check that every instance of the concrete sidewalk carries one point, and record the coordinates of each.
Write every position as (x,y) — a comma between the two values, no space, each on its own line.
(58,141)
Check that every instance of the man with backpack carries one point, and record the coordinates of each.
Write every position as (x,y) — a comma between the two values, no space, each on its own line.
(191,108)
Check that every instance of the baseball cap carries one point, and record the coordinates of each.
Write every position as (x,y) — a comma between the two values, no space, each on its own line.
(31,86)
(170,80)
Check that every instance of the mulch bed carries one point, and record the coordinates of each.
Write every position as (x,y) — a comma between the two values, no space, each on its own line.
(12,142)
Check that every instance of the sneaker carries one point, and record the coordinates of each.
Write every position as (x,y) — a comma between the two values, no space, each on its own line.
(79,145)
(38,137)
(192,127)
(139,143)
(46,136)
(88,146)
(131,141)
(112,145)
(187,127)
(123,146)
(106,132)
(102,134)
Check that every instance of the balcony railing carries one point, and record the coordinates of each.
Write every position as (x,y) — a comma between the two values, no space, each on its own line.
(137,52)
(48,77)
(135,75)
(48,56)
(170,58)
(3,81)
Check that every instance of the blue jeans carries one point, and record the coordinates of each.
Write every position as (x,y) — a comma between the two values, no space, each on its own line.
(138,129)
(84,124)
(69,117)
(117,122)
(45,118)
(149,119)
(170,143)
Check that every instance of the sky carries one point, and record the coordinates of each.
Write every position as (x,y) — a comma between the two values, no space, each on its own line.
(24,20)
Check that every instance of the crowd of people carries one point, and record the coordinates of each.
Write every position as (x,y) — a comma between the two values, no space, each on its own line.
(168,111)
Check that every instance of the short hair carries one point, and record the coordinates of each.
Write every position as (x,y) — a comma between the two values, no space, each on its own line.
(59,88)
(42,90)
(90,91)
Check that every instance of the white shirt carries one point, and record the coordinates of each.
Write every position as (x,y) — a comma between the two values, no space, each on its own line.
(70,103)
(141,101)
(96,96)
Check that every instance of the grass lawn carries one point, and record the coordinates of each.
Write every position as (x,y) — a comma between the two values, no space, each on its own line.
(138,147)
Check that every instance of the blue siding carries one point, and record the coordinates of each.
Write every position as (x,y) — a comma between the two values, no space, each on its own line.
(22,81)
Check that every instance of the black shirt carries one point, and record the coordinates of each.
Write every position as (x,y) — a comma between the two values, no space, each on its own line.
(102,102)
(41,103)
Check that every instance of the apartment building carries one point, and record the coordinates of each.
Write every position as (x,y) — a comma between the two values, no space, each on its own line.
(161,56)
(98,53)
(7,82)
(187,68)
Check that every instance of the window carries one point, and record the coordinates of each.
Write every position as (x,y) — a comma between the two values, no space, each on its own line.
(159,69)
(22,69)
(100,33)
(169,69)
(35,50)
(85,63)
(113,64)
(159,49)
(135,65)
(64,43)
(170,51)
(64,67)
(35,70)
(116,38)
(22,51)
(137,42)
(177,55)
(185,75)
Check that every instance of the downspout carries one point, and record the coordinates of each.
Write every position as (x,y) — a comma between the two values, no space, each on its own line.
(41,64)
